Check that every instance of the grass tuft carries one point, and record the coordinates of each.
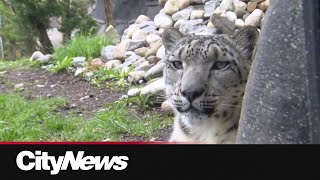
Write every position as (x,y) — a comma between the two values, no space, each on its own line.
(88,46)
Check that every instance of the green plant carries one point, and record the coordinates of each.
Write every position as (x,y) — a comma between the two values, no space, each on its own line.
(88,46)
(116,77)
(61,65)
(142,101)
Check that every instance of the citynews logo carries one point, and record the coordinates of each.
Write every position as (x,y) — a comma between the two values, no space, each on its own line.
(42,161)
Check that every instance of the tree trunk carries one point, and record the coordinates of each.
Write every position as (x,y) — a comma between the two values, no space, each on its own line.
(108,12)
(46,45)
(67,34)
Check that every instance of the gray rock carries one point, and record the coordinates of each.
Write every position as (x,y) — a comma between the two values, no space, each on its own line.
(183,14)
(36,55)
(240,8)
(145,66)
(148,26)
(162,20)
(239,23)
(254,18)
(223,23)
(78,61)
(140,61)
(139,35)
(264,5)
(197,27)
(178,24)
(154,47)
(204,30)
(153,59)
(161,52)
(130,60)
(197,1)
(133,45)
(141,51)
(167,107)
(225,5)
(232,17)
(131,29)
(156,87)
(133,92)
(79,71)
(136,76)
(119,54)
(112,64)
(19,87)
(191,26)
(155,71)
(171,7)
(152,38)
(45,59)
(111,32)
(141,19)
(210,6)
(107,52)
(197,12)
(129,53)
(47,67)
(124,44)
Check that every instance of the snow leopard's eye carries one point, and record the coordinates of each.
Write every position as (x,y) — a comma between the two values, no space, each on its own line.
(177,64)
(221,65)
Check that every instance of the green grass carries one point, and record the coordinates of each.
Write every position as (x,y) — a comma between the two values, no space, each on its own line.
(37,120)
(17,64)
(117,120)
(88,46)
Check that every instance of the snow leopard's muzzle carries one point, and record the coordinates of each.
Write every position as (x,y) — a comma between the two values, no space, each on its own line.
(194,101)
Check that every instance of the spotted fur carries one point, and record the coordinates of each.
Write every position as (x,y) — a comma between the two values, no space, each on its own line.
(205,78)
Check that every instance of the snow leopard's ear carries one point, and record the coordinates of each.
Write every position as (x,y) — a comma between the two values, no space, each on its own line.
(170,37)
(246,39)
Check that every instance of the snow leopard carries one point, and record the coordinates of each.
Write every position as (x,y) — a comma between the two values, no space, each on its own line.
(205,78)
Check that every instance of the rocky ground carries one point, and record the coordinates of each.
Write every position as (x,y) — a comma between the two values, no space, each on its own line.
(84,99)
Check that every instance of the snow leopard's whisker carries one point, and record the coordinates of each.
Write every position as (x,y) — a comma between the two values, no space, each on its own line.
(230,105)
(231,99)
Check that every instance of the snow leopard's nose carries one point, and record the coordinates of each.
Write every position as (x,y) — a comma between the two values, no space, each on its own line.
(191,95)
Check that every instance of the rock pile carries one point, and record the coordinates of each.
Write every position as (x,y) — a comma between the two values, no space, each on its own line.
(141,44)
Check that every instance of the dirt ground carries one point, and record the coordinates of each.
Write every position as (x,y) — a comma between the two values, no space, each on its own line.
(82,96)
(84,99)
